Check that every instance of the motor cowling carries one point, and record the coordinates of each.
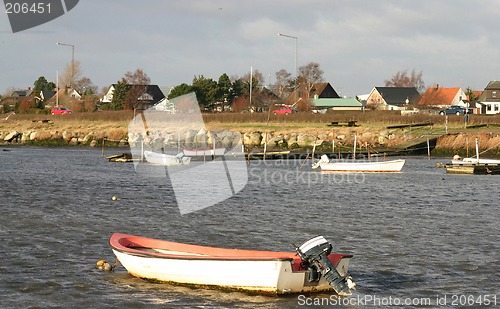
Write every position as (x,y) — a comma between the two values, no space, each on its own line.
(314,254)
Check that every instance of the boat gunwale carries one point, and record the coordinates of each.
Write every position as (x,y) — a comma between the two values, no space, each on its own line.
(345,166)
(222,254)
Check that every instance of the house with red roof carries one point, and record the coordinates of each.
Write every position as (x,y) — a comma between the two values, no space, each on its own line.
(438,97)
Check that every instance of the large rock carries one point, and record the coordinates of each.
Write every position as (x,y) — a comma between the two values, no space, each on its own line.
(11,136)
(306,140)
(382,140)
(189,138)
(266,138)
(227,142)
(276,140)
(25,137)
(170,139)
(252,139)
(67,136)
(201,139)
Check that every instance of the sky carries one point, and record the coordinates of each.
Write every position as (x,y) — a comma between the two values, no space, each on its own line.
(358,43)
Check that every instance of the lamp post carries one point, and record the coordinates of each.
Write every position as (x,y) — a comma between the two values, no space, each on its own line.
(72,59)
(296,43)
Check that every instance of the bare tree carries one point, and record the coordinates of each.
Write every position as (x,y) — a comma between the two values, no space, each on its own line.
(85,86)
(138,82)
(310,74)
(139,77)
(403,79)
(257,78)
(283,82)
(72,72)
(8,92)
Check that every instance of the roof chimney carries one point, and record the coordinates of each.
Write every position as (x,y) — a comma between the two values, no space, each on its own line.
(436,86)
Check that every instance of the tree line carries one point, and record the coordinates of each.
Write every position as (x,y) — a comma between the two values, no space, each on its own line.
(237,93)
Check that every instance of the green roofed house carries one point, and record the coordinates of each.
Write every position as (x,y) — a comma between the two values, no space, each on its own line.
(346,104)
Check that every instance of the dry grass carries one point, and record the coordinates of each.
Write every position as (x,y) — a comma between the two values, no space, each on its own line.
(486,141)
(114,125)
(385,117)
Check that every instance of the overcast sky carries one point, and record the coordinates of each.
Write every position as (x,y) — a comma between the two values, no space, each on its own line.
(358,43)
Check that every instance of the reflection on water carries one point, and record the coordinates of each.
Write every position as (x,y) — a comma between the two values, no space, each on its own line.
(420,233)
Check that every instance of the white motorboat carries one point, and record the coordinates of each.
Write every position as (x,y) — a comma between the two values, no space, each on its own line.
(312,268)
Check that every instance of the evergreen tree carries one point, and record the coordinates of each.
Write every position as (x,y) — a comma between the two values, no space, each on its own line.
(41,84)
(119,95)
(205,89)
(179,90)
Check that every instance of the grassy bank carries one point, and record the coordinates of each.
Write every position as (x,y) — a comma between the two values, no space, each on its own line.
(370,126)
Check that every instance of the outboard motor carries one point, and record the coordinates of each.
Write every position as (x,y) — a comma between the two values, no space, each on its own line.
(314,254)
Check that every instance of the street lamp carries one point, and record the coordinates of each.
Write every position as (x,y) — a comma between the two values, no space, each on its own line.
(296,42)
(72,60)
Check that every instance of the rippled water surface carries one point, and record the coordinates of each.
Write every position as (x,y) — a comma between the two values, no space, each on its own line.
(414,235)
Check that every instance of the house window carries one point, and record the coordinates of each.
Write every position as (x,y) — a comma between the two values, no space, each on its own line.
(497,107)
(493,94)
(146,97)
(488,108)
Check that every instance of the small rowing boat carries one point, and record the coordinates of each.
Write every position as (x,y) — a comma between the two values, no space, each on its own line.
(165,159)
(357,166)
(312,268)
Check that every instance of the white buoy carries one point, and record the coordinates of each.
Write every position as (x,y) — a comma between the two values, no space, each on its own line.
(114,198)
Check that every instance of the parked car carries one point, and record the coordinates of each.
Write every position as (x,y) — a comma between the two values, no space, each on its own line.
(457,110)
(59,110)
(284,110)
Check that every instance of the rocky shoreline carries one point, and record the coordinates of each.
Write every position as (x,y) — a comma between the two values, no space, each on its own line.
(458,143)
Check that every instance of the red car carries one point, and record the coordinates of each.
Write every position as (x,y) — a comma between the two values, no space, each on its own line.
(284,110)
(59,110)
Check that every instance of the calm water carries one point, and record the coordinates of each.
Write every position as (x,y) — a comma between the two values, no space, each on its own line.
(415,235)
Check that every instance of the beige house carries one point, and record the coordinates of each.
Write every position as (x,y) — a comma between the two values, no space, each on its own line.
(392,98)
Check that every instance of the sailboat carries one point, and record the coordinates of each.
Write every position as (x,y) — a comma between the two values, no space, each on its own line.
(473,165)
(468,161)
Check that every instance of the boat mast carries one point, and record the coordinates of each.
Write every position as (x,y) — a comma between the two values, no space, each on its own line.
(477,151)
(354,150)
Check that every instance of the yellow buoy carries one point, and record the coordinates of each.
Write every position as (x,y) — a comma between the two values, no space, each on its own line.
(103,265)
(100,263)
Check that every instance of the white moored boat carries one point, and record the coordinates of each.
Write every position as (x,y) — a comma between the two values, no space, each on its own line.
(391,166)
(311,269)
(165,159)
(470,161)
(457,160)
(204,152)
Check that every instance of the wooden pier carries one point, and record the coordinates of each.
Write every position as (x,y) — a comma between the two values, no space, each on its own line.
(421,145)
(473,169)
